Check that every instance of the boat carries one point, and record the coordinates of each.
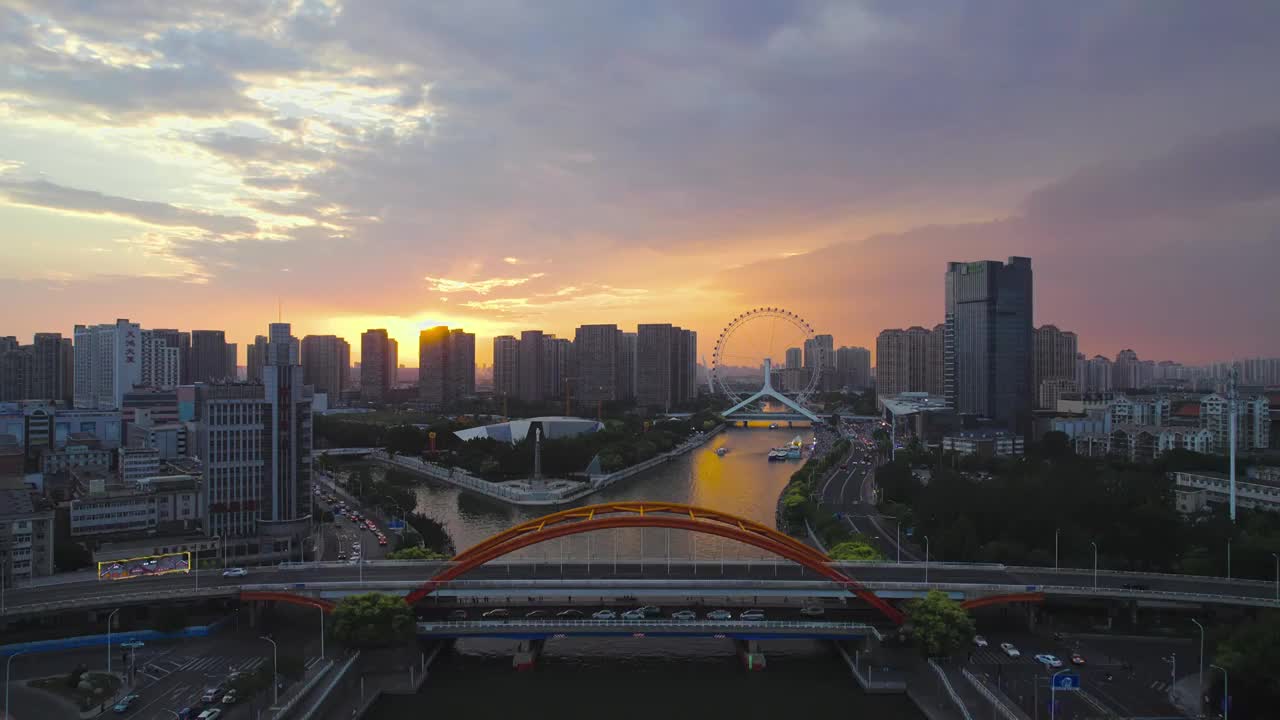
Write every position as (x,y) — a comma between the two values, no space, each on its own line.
(793,452)
(777,454)
(721,451)
(773,426)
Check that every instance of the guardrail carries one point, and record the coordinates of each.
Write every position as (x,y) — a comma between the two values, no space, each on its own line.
(301,692)
(650,625)
(1006,710)
(334,680)
(951,692)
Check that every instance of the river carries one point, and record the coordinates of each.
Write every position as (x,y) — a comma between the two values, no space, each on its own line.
(649,677)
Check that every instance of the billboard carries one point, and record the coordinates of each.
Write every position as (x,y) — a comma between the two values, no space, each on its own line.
(145,566)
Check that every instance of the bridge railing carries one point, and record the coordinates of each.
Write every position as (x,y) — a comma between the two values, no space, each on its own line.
(662,624)
(951,691)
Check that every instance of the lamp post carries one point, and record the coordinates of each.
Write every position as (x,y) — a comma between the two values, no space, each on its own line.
(1226,692)
(926,559)
(1053,693)
(1095,564)
(1200,676)
(1056,533)
(321,631)
(110,617)
(1277,557)
(275,669)
(1228,559)
(8,664)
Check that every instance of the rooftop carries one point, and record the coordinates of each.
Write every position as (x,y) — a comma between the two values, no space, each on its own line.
(15,502)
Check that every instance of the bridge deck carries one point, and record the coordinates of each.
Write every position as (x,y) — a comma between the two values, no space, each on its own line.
(737,629)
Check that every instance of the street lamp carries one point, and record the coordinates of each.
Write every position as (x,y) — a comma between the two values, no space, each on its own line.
(321,631)
(926,559)
(1226,692)
(109,618)
(1200,677)
(275,670)
(8,664)
(1053,693)
(1277,557)
(1095,564)
(1056,533)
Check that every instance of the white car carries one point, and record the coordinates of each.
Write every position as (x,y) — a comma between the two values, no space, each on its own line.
(812,611)
(234,572)
(752,615)
(604,615)
(684,615)
(1050,661)
(1010,650)
(719,615)
(211,714)
(633,615)
(979,641)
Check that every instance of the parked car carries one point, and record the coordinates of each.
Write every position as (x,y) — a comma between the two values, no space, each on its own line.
(458,615)
(719,615)
(211,695)
(1010,650)
(684,615)
(1077,659)
(812,611)
(570,614)
(751,615)
(979,641)
(650,610)
(536,614)
(604,615)
(633,615)
(496,614)
(186,713)
(1049,661)
(210,714)
(230,697)
(234,572)
(122,705)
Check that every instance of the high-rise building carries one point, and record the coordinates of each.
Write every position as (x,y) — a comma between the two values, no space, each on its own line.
(282,347)
(256,443)
(531,367)
(666,365)
(184,357)
(393,362)
(989,346)
(326,364)
(161,362)
(15,369)
(557,365)
(434,387)
(1093,375)
(1055,364)
(209,356)
(684,365)
(902,361)
(935,361)
(50,364)
(597,348)
(256,357)
(1124,372)
(1253,422)
(108,363)
(821,351)
(853,366)
(626,382)
(462,363)
(375,347)
(233,362)
(506,366)
(794,358)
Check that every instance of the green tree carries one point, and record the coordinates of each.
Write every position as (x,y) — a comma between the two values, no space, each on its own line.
(1055,444)
(938,625)
(1251,654)
(853,550)
(372,620)
(416,553)
(406,440)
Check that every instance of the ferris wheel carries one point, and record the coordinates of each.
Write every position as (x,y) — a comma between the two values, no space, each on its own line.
(724,352)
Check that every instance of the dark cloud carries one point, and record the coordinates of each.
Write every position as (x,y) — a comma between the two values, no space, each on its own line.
(41,193)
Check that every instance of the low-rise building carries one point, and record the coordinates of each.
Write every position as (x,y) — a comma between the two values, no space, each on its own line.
(26,534)
(79,454)
(137,463)
(1201,489)
(104,506)
(1143,443)
(170,439)
(986,443)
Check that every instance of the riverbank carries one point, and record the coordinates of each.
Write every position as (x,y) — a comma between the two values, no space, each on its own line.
(526,493)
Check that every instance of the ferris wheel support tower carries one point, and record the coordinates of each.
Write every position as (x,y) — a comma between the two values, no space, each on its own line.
(768,393)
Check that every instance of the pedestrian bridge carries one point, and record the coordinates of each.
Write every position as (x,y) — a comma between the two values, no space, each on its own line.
(657,627)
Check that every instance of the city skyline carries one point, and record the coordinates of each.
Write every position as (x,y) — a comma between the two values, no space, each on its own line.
(251,157)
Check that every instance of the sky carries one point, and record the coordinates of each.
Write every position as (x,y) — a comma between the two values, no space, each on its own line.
(502,165)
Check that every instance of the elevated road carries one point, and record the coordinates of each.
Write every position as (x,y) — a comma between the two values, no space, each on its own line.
(734,629)
(888,580)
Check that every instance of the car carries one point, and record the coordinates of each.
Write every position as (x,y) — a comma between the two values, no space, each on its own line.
(650,610)
(230,697)
(1010,650)
(186,713)
(342,556)
(536,614)
(1048,660)
(1077,659)
(633,615)
(211,694)
(382,542)
(812,611)
(570,614)
(122,705)
(719,615)
(458,615)
(979,641)
(684,615)
(604,615)
(844,466)
(496,613)
(751,615)
(211,714)
(234,572)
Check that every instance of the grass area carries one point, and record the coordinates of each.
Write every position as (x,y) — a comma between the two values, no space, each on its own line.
(89,690)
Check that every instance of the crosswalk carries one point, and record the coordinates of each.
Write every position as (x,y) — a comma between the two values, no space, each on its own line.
(1159,686)
(207,664)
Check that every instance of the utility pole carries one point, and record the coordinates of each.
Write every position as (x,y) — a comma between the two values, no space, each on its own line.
(1231,402)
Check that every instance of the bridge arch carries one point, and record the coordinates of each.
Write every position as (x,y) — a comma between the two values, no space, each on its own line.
(286,597)
(643,515)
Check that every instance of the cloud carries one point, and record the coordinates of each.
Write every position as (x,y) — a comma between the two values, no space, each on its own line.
(41,193)
(480,287)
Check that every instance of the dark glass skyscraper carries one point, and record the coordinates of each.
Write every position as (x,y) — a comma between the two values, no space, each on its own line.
(990,341)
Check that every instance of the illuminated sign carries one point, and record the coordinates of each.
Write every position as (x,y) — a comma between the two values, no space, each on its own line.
(145,566)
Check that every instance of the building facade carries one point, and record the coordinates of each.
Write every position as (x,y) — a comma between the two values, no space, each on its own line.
(597,348)
(1055,364)
(26,536)
(326,365)
(989,347)
(374,363)
(209,357)
(853,364)
(108,363)
(506,366)
(434,387)
(462,363)
(532,370)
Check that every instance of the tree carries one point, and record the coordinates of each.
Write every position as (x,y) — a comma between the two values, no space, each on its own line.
(1251,654)
(853,550)
(416,553)
(69,555)
(406,440)
(1056,444)
(372,620)
(938,625)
